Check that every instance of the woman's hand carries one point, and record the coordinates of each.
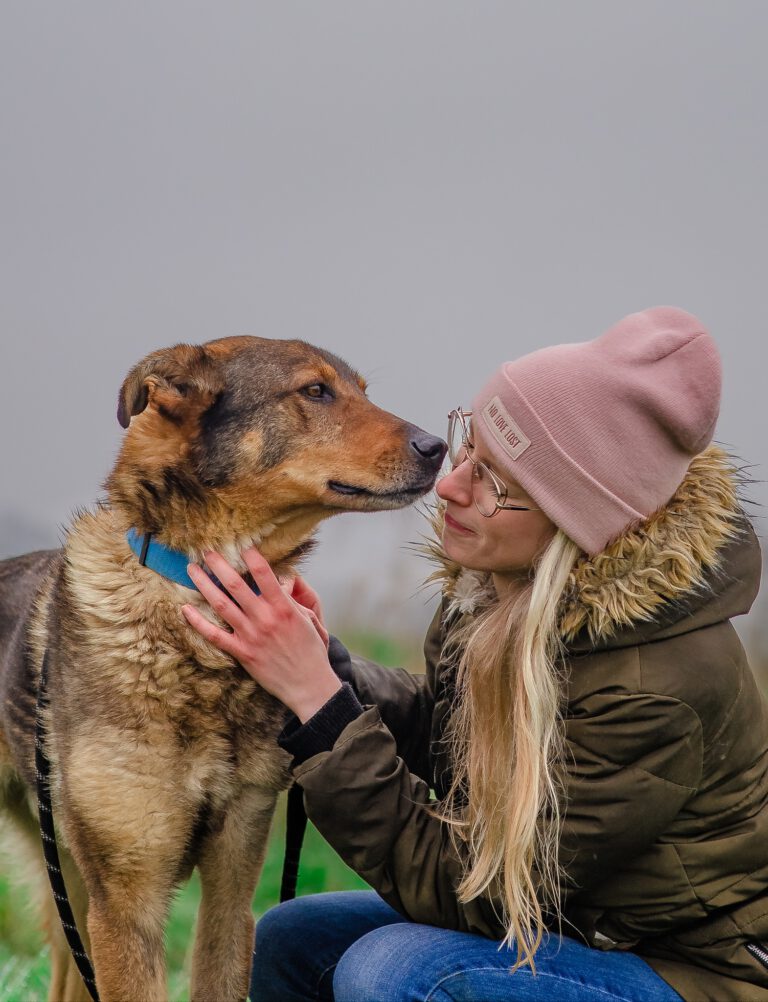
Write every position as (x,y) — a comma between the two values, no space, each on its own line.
(278,639)
(309,600)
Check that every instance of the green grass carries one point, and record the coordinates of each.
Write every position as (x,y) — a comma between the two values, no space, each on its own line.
(24,961)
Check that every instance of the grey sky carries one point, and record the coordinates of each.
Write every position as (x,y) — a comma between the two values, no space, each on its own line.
(426,188)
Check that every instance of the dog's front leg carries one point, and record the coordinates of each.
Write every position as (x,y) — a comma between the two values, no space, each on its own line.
(127,913)
(127,953)
(230,863)
(126,822)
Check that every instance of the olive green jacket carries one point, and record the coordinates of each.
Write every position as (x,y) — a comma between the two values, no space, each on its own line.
(665,837)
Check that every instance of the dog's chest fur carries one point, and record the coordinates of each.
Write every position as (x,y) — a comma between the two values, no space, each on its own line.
(134,687)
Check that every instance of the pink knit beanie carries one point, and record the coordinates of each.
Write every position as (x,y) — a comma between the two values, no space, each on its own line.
(600,433)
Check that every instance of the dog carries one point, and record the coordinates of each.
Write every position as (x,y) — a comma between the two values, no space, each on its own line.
(162,748)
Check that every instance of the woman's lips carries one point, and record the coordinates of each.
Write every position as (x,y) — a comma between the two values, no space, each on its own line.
(457,526)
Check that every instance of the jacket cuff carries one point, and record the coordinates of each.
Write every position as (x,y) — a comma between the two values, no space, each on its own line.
(319,733)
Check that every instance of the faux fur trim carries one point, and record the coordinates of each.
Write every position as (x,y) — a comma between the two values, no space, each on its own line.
(657,560)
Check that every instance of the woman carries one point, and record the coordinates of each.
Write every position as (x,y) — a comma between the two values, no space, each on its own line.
(588,720)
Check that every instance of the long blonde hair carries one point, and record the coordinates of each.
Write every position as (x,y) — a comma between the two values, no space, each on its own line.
(506,739)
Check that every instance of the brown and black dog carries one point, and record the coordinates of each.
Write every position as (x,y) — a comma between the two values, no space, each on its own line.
(162,748)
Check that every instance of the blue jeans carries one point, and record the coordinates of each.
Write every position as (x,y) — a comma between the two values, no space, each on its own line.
(352,947)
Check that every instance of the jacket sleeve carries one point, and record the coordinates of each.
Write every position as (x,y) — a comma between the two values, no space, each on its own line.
(374,812)
(635,761)
(405,701)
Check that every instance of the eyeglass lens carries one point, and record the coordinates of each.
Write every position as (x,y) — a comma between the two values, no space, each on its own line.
(484,492)
(456,452)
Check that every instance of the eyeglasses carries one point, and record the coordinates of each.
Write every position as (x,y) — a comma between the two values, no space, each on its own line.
(488,492)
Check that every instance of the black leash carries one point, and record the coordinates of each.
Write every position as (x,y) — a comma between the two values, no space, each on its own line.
(295,826)
(48,835)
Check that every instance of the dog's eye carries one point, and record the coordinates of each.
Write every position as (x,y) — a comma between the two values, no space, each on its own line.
(317,391)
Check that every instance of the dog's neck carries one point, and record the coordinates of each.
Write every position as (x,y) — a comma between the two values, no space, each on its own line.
(172,563)
(168,563)
(187,515)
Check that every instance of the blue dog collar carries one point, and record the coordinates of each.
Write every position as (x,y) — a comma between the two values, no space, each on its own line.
(170,564)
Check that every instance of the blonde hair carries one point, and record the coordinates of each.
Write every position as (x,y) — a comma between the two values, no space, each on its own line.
(503,807)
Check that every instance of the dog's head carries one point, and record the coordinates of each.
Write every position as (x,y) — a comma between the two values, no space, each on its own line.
(248,438)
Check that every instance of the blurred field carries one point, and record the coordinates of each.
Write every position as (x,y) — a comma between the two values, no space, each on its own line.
(24,964)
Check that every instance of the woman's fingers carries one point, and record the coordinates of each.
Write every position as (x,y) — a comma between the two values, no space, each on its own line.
(324,635)
(249,614)
(264,577)
(232,581)
(221,604)
(209,631)
(307,596)
(277,641)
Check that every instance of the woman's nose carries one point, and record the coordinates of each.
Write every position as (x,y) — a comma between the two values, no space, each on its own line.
(456,486)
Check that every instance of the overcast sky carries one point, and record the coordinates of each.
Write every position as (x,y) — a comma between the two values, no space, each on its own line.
(425,188)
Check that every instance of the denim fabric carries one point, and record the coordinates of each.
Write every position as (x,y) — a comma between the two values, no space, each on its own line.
(352,947)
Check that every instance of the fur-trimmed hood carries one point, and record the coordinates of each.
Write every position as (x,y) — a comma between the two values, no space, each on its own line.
(694,562)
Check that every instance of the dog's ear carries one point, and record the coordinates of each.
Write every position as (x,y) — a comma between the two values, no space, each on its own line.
(177,379)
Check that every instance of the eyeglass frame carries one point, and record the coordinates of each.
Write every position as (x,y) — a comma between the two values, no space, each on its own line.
(499,486)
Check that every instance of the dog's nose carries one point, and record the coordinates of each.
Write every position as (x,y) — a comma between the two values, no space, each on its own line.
(429,447)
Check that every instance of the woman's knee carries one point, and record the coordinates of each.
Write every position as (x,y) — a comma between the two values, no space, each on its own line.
(298,943)
(277,931)
(386,964)
(277,934)
(282,922)
(282,965)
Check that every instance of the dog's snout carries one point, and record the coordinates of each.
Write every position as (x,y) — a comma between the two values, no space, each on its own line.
(429,447)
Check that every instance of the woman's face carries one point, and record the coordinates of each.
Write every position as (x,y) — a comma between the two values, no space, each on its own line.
(505,544)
